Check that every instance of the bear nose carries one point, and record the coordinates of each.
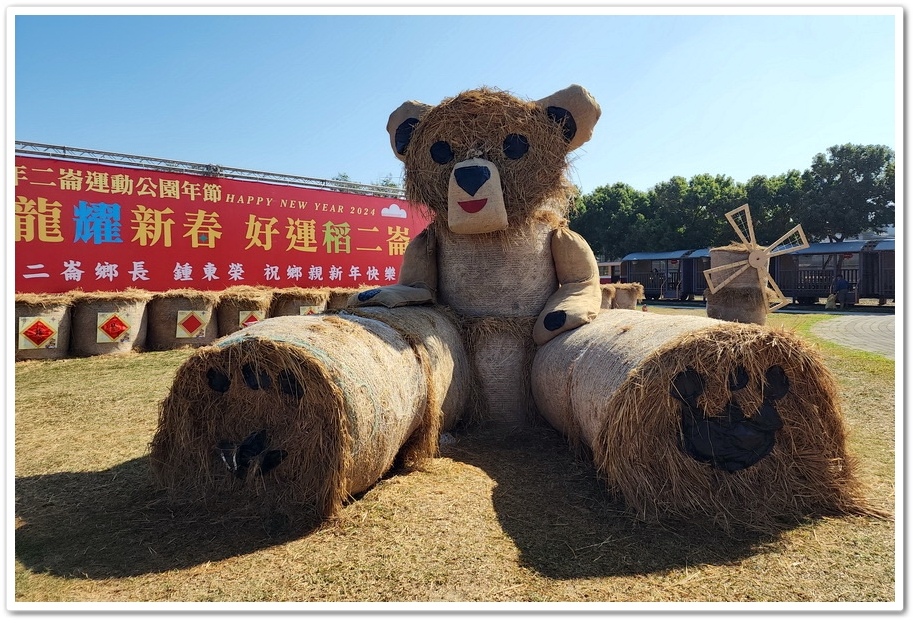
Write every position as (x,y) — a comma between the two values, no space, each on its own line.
(471,178)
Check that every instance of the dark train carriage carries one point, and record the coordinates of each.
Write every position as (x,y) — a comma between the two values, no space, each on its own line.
(659,272)
(806,275)
(693,281)
(877,279)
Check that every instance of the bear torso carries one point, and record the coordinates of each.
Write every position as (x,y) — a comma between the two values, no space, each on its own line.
(510,274)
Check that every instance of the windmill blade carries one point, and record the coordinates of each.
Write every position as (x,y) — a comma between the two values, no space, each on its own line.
(740,219)
(792,240)
(782,302)
(720,276)
(763,276)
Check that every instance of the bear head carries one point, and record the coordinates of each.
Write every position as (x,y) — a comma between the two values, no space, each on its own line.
(485,160)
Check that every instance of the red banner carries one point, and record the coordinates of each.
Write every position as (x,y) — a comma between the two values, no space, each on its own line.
(97,227)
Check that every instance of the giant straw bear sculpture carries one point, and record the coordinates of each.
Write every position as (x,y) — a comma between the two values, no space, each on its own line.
(497,317)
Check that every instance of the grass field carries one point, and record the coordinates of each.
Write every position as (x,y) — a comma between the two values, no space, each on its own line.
(501,516)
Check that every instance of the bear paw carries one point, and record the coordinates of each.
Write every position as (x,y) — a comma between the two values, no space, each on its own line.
(729,441)
(253,451)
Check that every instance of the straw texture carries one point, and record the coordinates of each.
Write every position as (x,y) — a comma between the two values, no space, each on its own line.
(607,295)
(290,301)
(737,304)
(627,295)
(500,350)
(338,298)
(434,335)
(505,274)
(742,299)
(475,123)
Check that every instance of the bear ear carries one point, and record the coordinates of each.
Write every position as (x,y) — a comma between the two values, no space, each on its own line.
(401,125)
(575,110)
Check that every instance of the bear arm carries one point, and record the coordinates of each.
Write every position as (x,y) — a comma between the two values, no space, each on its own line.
(578,299)
(417,283)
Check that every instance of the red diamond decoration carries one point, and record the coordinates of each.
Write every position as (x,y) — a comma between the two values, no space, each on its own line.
(38,333)
(250,320)
(191,324)
(114,327)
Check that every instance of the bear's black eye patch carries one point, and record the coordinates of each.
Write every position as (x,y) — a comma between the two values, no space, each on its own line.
(515,146)
(441,152)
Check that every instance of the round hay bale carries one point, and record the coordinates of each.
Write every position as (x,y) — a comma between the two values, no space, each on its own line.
(106,323)
(500,351)
(517,266)
(179,318)
(293,414)
(433,333)
(299,301)
(747,305)
(613,383)
(43,326)
(607,295)
(627,295)
(240,306)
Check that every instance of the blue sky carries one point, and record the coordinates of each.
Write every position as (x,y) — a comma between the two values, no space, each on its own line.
(685,94)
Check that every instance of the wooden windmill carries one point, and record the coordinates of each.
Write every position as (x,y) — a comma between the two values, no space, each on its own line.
(743,267)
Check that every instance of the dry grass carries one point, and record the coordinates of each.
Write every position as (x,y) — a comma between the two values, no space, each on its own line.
(503,515)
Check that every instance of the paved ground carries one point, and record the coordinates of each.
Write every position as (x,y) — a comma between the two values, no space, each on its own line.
(870,332)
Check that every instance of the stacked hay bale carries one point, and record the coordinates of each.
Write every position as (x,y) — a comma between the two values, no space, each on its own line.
(338,298)
(627,295)
(181,317)
(607,295)
(109,322)
(744,299)
(297,413)
(43,323)
(610,386)
(299,301)
(240,306)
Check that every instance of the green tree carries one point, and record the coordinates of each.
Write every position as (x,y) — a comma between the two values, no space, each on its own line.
(773,202)
(611,219)
(848,191)
(691,214)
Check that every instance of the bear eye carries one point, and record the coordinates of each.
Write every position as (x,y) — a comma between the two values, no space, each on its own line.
(441,152)
(515,146)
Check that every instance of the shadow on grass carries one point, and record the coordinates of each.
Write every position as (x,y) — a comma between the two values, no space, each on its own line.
(566,525)
(115,523)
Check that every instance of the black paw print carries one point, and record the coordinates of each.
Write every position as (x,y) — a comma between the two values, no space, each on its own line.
(238,457)
(731,441)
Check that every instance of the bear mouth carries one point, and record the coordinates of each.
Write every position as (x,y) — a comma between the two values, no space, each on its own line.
(474,206)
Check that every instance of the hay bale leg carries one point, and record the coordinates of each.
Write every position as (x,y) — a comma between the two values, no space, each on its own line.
(500,350)
(295,413)
(691,416)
